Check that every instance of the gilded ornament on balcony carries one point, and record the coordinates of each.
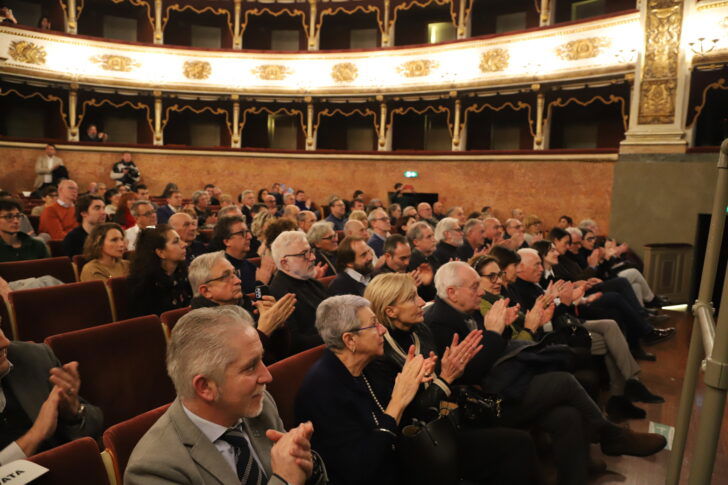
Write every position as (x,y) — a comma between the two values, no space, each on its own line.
(197,70)
(582,48)
(418,68)
(272,72)
(657,102)
(27,52)
(494,60)
(344,72)
(110,62)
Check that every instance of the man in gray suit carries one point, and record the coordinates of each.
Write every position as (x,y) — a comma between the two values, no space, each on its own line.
(39,403)
(224,427)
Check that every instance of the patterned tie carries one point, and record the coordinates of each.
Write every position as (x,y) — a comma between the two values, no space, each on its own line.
(249,472)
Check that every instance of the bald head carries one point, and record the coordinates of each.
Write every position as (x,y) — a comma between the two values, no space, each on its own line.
(185,226)
(68,191)
(356,229)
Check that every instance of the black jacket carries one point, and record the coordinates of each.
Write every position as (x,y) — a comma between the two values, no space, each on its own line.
(159,292)
(353,436)
(444,321)
(329,259)
(444,252)
(344,284)
(302,323)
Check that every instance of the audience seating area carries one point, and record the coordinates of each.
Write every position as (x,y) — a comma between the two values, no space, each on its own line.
(76,462)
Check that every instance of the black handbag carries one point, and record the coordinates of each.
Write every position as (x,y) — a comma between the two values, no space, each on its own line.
(475,408)
(568,330)
(428,452)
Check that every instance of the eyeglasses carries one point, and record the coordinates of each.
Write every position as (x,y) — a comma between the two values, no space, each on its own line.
(147,214)
(493,277)
(242,233)
(456,229)
(10,217)
(331,237)
(226,276)
(376,325)
(590,238)
(305,255)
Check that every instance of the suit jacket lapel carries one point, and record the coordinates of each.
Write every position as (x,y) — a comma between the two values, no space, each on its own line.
(31,398)
(202,451)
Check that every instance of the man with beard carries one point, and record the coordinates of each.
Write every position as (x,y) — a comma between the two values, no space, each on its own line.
(354,260)
(296,274)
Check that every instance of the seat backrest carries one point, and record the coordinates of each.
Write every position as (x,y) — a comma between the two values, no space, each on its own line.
(119,290)
(56,247)
(60,268)
(122,366)
(72,463)
(121,438)
(5,324)
(287,377)
(79,261)
(42,312)
(169,318)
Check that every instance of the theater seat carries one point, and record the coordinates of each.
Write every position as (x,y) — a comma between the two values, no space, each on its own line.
(255,261)
(120,439)
(170,318)
(119,294)
(79,261)
(287,377)
(122,366)
(60,268)
(56,247)
(42,312)
(76,462)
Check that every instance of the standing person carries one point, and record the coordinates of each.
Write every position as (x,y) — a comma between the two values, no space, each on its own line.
(16,245)
(158,276)
(104,251)
(125,171)
(45,165)
(58,220)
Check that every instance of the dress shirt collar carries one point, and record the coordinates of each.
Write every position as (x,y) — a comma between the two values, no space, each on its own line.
(63,204)
(212,431)
(357,276)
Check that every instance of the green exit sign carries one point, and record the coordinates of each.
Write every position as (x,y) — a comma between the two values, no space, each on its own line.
(411,174)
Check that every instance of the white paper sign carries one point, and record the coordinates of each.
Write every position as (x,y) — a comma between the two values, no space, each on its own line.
(20,472)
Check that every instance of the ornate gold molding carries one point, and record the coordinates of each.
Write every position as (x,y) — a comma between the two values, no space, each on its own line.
(262,109)
(659,72)
(344,72)
(338,111)
(411,109)
(515,107)
(494,60)
(113,62)
(587,48)
(47,98)
(27,52)
(197,70)
(176,108)
(97,104)
(719,84)
(272,72)
(417,68)
(612,99)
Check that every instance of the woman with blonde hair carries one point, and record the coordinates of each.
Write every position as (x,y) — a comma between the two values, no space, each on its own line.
(493,455)
(104,250)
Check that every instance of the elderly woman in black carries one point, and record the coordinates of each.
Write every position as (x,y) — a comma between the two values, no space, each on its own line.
(493,455)
(356,426)
(158,275)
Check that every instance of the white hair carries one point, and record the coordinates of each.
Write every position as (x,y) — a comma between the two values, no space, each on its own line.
(200,269)
(446,224)
(337,315)
(280,246)
(523,251)
(318,230)
(199,345)
(449,275)
(574,231)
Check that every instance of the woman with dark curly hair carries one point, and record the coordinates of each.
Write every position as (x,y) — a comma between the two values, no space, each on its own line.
(158,276)
(104,250)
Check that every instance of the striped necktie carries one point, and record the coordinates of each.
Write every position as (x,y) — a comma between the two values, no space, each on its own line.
(248,470)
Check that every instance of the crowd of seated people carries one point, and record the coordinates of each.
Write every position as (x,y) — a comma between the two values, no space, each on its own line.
(355,276)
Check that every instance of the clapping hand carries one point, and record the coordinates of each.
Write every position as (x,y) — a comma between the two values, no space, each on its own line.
(458,354)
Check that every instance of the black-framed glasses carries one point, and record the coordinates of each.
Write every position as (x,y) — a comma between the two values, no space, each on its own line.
(331,237)
(376,325)
(242,233)
(493,277)
(227,276)
(305,255)
(10,217)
